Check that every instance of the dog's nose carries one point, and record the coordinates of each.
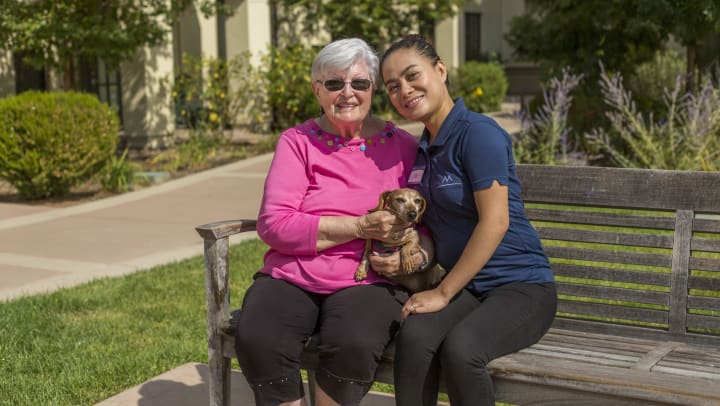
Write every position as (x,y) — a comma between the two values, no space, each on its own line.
(412,215)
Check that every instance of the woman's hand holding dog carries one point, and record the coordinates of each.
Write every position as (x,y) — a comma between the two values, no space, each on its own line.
(388,264)
(381,225)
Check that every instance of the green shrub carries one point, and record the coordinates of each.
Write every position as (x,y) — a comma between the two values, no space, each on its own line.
(291,98)
(651,80)
(482,85)
(50,142)
(118,174)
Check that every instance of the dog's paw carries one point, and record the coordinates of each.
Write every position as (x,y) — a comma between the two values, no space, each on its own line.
(407,263)
(361,273)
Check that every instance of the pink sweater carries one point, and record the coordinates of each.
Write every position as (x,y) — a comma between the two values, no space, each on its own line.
(314,174)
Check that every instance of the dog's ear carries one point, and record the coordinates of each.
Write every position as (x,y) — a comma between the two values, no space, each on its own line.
(384,199)
(423,206)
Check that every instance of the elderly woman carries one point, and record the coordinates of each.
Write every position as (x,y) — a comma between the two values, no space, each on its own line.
(326,174)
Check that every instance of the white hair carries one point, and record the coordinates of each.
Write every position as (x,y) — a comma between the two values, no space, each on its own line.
(342,55)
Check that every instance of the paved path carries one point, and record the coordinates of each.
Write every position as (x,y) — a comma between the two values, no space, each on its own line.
(42,249)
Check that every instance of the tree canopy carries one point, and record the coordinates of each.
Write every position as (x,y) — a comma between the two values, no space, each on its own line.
(54,33)
(621,33)
(379,23)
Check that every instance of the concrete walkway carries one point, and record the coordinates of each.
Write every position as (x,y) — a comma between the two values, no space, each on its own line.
(187,385)
(47,248)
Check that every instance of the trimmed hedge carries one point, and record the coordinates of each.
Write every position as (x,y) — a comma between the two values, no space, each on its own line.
(50,142)
(482,85)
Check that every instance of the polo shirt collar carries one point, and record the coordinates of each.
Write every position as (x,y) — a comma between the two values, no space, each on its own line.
(457,112)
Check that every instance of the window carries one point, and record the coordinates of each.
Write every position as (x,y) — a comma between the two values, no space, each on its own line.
(96,77)
(26,76)
(473,48)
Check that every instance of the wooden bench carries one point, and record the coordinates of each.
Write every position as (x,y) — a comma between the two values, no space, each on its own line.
(637,257)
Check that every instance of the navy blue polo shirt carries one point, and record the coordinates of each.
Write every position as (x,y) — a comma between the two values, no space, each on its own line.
(470,151)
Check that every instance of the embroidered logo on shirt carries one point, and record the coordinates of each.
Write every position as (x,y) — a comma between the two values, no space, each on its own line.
(446,179)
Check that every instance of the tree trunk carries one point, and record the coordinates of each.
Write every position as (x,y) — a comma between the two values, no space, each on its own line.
(69,75)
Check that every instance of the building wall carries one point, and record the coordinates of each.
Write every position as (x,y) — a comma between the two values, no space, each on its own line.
(148,116)
(496,16)
(249,29)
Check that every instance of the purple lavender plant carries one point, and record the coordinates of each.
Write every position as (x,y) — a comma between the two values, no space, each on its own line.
(543,138)
(687,138)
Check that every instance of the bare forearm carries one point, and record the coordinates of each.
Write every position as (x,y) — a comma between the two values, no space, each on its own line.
(336,230)
(482,244)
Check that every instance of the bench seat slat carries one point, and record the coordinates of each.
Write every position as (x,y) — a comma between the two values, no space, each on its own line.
(606,237)
(608,256)
(680,369)
(597,359)
(611,293)
(704,352)
(628,349)
(601,219)
(588,353)
(703,363)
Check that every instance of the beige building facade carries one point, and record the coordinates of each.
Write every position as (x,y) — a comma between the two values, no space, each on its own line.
(140,89)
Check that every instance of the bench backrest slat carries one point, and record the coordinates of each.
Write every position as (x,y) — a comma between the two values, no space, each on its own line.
(610,293)
(600,255)
(608,311)
(622,187)
(611,274)
(634,251)
(605,237)
(562,215)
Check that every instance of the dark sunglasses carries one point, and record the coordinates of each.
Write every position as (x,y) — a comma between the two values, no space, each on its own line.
(333,85)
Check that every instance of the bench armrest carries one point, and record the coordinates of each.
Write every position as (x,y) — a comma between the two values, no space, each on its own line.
(216,238)
(221,229)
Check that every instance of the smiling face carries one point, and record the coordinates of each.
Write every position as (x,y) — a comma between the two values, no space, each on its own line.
(346,106)
(415,85)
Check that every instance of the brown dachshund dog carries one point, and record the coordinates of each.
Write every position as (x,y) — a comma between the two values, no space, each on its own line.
(407,205)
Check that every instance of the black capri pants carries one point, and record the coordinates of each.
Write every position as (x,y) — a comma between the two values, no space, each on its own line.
(463,337)
(354,326)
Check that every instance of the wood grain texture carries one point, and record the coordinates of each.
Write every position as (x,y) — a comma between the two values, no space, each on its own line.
(621,187)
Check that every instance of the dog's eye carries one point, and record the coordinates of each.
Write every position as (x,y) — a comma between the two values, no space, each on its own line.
(418,201)
(400,200)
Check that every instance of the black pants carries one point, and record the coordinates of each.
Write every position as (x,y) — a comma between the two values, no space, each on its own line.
(463,337)
(354,325)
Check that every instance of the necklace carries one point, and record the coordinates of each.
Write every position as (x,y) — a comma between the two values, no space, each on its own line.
(352,144)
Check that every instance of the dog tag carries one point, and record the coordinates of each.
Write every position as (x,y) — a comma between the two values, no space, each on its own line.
(415,176)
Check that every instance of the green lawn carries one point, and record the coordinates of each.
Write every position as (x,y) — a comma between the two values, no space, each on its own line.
(81,345)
